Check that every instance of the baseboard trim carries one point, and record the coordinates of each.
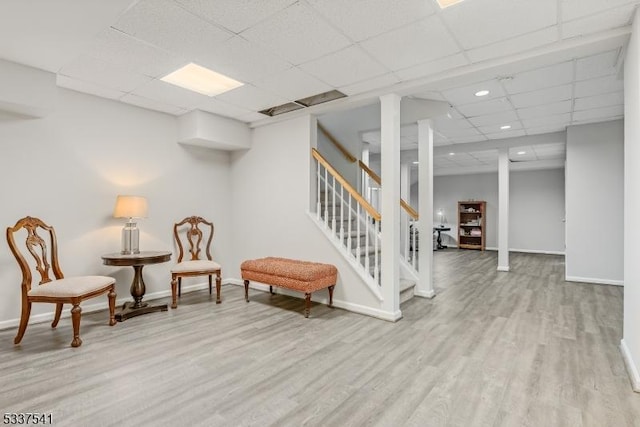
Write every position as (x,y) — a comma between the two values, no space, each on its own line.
(355,308)
(90,308)
(425,294)
(528,251)
(594,281)
(634,378)
(503,268)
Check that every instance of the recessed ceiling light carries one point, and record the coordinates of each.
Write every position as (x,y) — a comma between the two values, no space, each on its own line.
(416,163)
(199,79)
(452,154)
(446,3)
(505,127)
(521,153)
(483,92)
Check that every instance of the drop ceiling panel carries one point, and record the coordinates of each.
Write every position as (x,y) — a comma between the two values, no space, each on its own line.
(216,106)
(106,74)
(364,19)
(433,67)
(485,107)
(294,84)
(545,128)
(355,66)
(600,65)
(540,78)
(597,101)
(542,96)
(573,9)
(550,121)
(609,19)
(243,61)
(466,94)
(514,45)
(464,159)
(150,104)
(459,133)
(545,110)
(124,51)
(464,140)
(505,134)
(444,123)
(484,156)
(516,125)
(251,98)
(236,15)
(599,113)
(495,119)
(297,34)
(165,24)
(166,93)
(443,162)
(385,80)
(598,86)
(422,41)
(478,23)
(88,87)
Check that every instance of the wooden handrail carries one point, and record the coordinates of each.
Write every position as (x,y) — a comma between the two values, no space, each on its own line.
(374,176)
(339,146)
(370,209)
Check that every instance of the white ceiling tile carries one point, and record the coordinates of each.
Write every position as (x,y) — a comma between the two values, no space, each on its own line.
(459,133)
(165,24)
(484,155)
(429,94)
(345,67)
(97,71)
(545,110)
(124,51)
(478,23)
(550,148)
(513,45)
(243,61)
(494,119)
(251,98)
(599,113)
(294,84)
(251,117)
(515,125)
(545,128)
(372,137)
(166,93)
(600,65)
(572,9)
(236,15)
(433,67)
(542,96)
(551,156)
(548,121)
(443,162)
(409,130)
(420,42)
(485,107)
(540,78)
(466,94)
(597,101)
(465,139)
(362,19)
(221,108)
(298,34)
(87,87)
(150,104)
(447,123)
(522,154)
(598,86)
(383,81)
(608,19)
(505,134)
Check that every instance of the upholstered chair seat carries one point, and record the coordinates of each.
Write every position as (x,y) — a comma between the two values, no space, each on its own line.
(72,286)
(200,265)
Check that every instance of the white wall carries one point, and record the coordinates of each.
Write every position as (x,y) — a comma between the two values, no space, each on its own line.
(68,168)
(535,213)
(270,199)
(350,171)
(594,203)
(631,342)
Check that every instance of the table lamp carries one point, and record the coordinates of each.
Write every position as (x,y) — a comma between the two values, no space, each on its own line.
(441,215)
(130,207)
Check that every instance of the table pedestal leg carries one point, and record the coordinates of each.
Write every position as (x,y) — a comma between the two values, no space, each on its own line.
(137,307)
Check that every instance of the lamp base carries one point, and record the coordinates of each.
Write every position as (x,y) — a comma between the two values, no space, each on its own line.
(130,238)
(129,252)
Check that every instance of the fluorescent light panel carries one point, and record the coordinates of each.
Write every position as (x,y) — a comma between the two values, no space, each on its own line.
(446,3)
(199,79)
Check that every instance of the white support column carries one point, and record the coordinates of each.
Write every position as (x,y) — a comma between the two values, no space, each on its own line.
(425,209)
(390,203)
(365,189)
(404,219)
(503,209)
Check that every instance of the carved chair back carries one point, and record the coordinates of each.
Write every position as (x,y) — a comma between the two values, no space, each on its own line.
(43,249)
(190,233)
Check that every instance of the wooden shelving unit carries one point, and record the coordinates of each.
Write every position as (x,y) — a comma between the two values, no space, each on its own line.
(472,224)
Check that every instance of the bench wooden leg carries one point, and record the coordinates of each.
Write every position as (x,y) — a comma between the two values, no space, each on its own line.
(331,296)
(246,290)
(307,304)
(271,289)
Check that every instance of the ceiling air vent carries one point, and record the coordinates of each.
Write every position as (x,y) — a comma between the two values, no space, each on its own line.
(320,98)
(302,103)
(281,109)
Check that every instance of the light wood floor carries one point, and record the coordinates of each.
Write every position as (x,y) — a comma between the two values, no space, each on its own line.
(522,348)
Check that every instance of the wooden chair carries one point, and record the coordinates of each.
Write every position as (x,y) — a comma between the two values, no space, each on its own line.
(60,290)
(188,231)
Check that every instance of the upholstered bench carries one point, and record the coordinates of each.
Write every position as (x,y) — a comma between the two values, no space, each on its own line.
(302,276)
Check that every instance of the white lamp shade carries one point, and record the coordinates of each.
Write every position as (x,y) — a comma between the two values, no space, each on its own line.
(130,207)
